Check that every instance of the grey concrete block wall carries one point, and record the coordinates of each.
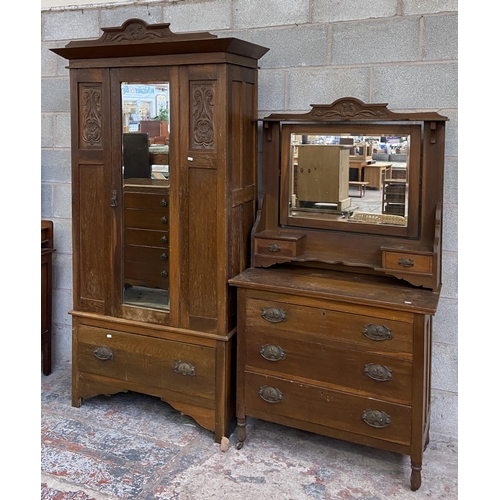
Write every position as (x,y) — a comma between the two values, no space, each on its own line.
(402,52)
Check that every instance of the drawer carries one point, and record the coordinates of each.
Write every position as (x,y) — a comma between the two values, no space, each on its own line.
(393,338)
(138,359)
(146,219)
(147,237)
(147,273)
(146,201)
(281,247)
(333,409)
(355,371)
(154,256)
(414,263)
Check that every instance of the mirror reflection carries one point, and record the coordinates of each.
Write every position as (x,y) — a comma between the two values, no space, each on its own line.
(146,187)
(352,178)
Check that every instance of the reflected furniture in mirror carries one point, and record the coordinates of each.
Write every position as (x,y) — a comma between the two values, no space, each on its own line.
(47,244)
(335,313)
(163,201)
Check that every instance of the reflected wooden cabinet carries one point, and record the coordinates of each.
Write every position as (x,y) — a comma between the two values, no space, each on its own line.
(335,313)
(155,244)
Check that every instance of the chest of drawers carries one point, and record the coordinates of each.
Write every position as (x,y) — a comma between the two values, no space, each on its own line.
(338,354)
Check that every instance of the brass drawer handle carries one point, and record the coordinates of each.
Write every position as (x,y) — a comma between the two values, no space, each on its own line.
(164,239)
(273,314)
(405,262)
(164,274)
(164,220)
(272,352)
(184,368)
(376,418)
(274,247)
(163,202)
(379,373)
(103,353)
(163,256)
(377,332)
(271,394)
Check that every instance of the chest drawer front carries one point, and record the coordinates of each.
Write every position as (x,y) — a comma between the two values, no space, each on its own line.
(346,412)
(280,247)
(146,219)
(165,364)
(363,332)
(356,371)
(147,201)
(146,237)
(408,262)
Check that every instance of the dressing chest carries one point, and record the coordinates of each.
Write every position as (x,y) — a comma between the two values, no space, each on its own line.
(335,313)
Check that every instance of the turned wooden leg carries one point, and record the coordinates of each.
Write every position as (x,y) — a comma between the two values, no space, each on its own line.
(242,432)
(416,477)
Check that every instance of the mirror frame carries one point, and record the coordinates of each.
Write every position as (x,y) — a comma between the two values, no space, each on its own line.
(413,131)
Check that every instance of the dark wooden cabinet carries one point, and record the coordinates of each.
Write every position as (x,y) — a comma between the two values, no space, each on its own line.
(335,314)
(47,245)
(153,250)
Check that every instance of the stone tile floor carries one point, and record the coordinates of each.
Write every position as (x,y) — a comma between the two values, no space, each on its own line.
(132,446)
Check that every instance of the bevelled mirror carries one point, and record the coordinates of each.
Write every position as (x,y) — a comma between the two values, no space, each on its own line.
(356,177)
(146,187)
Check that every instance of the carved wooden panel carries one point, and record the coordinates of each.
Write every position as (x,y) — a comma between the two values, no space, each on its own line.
(202,115)
(90,116)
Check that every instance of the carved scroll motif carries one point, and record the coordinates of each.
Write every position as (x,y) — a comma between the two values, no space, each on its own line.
(202,116)
(348,109)
(90,112)
(137,31)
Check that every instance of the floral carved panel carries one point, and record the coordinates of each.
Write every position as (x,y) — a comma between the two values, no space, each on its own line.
(202,115)
(90,116)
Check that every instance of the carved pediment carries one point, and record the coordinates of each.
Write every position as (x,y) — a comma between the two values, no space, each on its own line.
(137,30)
(352,109)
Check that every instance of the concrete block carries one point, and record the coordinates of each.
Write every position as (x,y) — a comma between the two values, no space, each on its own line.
(49,60)
(451,139)
(418,86)
(445,322)
(56,165)
(450,228)
(47,130)
(62,200)
(323,86)
(379,41)
(62,135)
(62,236)
(70,24)
(272,96)
(46,201)
(449,276)
(445,367)
(62,300)
(261,13)
(198,16)
(115,16)
(62,271)
(440,38)
(339,10)
(444,413)
(55,95)
(296,46)
(61,344)
(411,7)
(450,180)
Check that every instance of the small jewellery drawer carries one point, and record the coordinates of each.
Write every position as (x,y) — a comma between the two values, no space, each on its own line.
(280,247)
(356,371)
(407,262)
(363,332)
(146,201)
(174,366)
(296,400)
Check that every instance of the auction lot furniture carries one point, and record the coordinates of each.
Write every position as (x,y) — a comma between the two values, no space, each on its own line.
(335,314)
